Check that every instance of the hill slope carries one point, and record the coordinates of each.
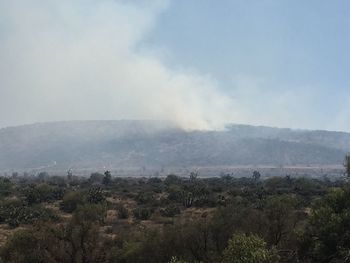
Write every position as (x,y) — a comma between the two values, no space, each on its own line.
(88,144)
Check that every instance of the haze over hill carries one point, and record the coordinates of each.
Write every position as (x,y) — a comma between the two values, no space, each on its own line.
(126,144)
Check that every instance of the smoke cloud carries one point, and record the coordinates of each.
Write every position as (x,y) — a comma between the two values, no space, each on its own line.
(68,60)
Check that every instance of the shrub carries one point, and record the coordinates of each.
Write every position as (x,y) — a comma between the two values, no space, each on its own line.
(247,249)
(327,234)
(42,193)
(154,181)
(16,213)
(173,179)
(71,201)
(95,195)
(123,212)
(142,213)
(96,178)
(144,198)
(5,187)
(176,260)
(22,247)
(90,213)
(170,210)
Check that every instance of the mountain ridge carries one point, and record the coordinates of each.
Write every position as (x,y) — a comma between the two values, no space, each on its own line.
(133,143)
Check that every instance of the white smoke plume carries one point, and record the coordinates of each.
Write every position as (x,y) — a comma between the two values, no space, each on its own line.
(67,60)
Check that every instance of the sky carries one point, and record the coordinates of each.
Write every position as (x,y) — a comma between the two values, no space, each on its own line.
(199,63)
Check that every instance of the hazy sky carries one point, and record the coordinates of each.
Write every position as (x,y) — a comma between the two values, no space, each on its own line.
(201,63)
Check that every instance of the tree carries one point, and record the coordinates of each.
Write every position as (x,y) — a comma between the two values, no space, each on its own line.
(193,176)
(256,175)
(107,179)
(95,195)
(248,249)
(5,187)
(39,193)
(96,178)
(327,235)
(43,176)
(196,239)
(187,198)
(77,241)
(172,179)
(69,175)
(25,246)
(281,217)
(347,165)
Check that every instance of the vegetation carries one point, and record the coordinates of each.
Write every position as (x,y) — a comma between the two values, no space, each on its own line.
(243,248)
(347,165)
(225,219)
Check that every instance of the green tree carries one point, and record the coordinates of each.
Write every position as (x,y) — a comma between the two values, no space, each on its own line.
(248,249)
(327,235)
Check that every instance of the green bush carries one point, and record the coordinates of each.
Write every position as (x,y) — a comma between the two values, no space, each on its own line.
(327,234)
(247,249)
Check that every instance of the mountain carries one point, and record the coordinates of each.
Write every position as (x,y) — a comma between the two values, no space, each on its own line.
(122,144)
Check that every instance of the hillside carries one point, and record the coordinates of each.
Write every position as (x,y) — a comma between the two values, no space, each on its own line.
(118,144)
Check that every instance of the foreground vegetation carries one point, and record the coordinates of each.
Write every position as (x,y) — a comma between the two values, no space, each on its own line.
(225,219)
